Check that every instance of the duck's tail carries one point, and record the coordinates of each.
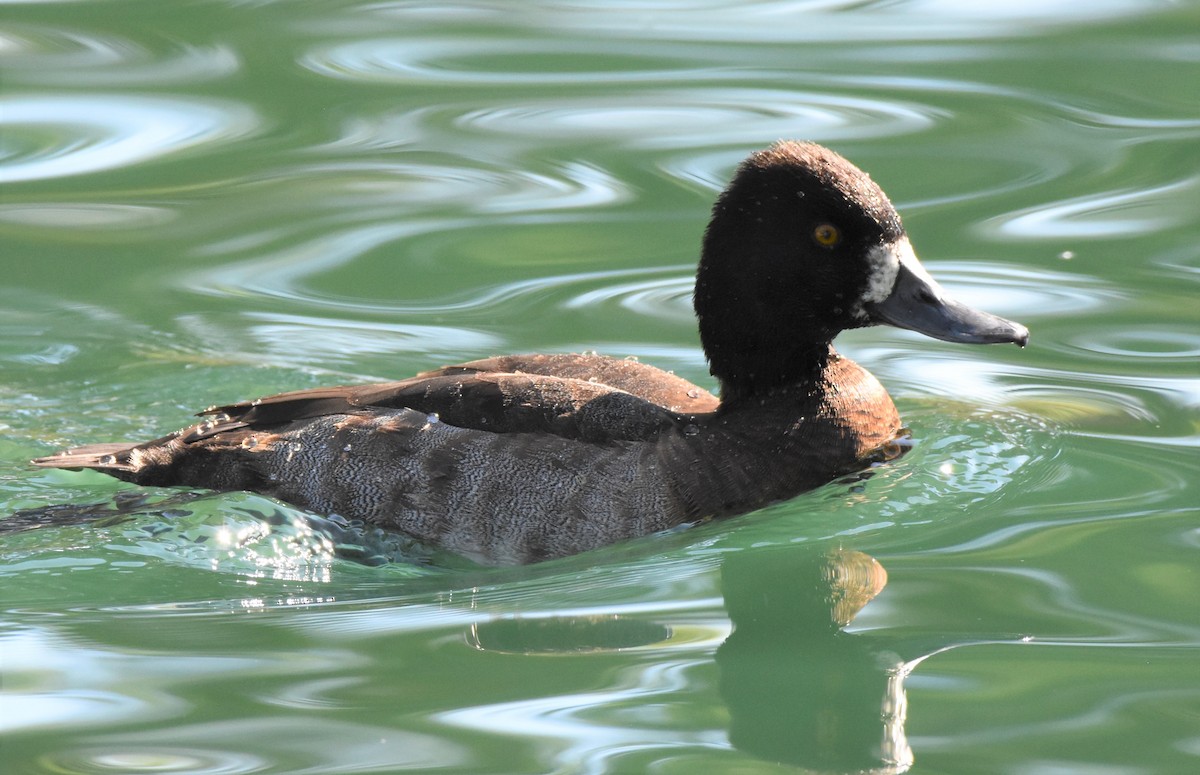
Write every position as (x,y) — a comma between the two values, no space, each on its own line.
(203,455)
(110,458)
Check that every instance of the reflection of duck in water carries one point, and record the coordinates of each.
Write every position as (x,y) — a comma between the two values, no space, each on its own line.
(796,688)
(520,458)
(799,689)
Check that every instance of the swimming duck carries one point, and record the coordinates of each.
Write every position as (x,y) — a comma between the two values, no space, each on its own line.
(521,458)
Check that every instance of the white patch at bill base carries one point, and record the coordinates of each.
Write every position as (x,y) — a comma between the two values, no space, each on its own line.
(883,266)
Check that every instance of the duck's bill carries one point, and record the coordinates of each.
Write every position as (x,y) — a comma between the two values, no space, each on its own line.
(918,303)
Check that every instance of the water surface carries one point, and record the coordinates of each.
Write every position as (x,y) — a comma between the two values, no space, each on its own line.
(209,202)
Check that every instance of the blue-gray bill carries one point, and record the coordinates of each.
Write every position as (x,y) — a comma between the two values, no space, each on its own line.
(917,302)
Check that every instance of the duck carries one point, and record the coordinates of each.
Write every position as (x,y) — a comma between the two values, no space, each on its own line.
(523,458)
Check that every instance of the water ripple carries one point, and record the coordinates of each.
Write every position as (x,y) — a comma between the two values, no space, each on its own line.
(662,118)
(837,22)
(1021,292)
(535,61)
(37,659)
(260,743)
(85,216)
(1125,212)
(55,136)
(291,271)
(662,293)
(1132,406)
(301,339)
(51,56)
(377,188)
(161,758)
(1160,342)
(568,719)
(668,297)
(351,216)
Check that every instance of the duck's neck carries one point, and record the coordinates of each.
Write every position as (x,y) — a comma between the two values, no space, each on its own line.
(750,375)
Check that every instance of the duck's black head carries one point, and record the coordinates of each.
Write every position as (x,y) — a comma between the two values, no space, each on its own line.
(803,245)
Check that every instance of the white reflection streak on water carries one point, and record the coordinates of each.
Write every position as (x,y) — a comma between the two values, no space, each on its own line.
(50,56)
(395,617)
(1123,213)
(86,216)
(999,384)
(842,21)
(298,337)
(660,118)
(1102,717)
(281,274)
(586,743)
(1184,392)
(66,682)
(402,60)
(264,742)
(1012,290)
(584,186)
(1184,345)
(394,188)
(94,132)
(670,297)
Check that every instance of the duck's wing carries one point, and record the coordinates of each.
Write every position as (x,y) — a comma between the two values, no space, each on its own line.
(585,397)
(651,384)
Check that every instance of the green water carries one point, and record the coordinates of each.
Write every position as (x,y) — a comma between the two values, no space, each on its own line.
(203,202)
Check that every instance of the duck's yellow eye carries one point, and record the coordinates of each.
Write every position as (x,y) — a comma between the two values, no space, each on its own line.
(827,235)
